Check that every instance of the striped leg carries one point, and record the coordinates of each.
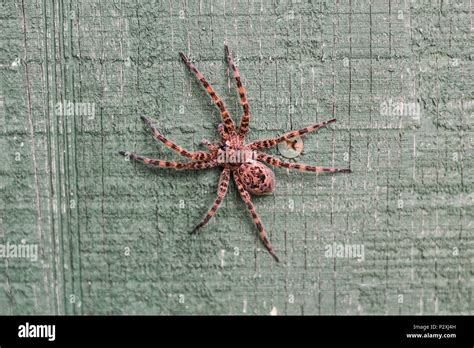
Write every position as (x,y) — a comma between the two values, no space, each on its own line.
(301,167)
(166,164)
(223,184)
(211,147)
(197,155)
(263,144)
(261,232)
(245,120)
(229,124)
(222,132)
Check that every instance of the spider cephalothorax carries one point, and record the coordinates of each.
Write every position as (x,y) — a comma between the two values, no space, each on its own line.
(241,160)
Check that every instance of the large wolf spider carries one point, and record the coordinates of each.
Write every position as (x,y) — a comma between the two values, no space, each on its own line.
(238,158)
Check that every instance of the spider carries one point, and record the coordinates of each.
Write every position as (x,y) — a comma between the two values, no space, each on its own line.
(243,161)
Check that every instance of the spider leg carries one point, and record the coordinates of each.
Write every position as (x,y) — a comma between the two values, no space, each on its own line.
(211,147)
(266,143)
(197,155)
(261,232)
(224,113)
(223,184)
(301,167)
(245,120)
(222,132)
(167,164)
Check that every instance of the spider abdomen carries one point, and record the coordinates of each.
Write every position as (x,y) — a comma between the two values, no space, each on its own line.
(256,177)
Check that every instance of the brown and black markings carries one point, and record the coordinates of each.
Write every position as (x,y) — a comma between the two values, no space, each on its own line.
(250,175)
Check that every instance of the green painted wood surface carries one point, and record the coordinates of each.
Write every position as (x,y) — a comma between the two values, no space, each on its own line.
(112,236)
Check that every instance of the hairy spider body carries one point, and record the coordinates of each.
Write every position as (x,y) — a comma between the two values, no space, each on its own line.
(256,177)
(242,161)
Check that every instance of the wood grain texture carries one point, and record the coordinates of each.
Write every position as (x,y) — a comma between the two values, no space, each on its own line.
(113,236)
